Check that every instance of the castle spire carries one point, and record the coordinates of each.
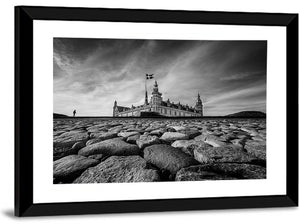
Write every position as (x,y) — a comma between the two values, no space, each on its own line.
(199,106)
(199,99)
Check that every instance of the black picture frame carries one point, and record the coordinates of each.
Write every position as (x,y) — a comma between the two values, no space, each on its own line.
(24,18)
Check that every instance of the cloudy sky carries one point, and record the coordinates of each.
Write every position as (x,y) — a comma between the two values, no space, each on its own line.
(89,74)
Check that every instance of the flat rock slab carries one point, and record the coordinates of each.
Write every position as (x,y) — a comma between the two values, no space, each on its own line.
(62,144)
(256,148)
(103,136)
(221,155)
(191,133)
(113,146)
(98,157)
(132,139)
(157,132)
(239,171)
(147,140)
(188,146)
(251,131)
(119,169)
(194,173)
(93,141)
(77,146)
(173,136)
(179,128)
(68,168)
(221,171)
(214,141)
(238,142)
(167,157)
(127,134)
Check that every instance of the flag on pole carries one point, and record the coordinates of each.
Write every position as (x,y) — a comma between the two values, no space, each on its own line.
(149,76)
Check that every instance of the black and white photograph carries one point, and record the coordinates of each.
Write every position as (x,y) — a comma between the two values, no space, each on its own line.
(139,110)
(179,112)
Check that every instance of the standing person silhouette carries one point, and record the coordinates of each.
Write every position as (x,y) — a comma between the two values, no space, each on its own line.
(74,113)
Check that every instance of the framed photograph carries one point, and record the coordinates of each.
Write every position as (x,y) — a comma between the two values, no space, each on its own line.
(121,110)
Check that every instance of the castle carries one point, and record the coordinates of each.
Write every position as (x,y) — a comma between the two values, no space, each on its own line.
(158,107)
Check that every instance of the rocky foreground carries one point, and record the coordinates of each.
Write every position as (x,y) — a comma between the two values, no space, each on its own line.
(91,150)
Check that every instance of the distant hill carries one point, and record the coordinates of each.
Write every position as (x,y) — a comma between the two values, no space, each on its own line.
(59,115)
(247,114)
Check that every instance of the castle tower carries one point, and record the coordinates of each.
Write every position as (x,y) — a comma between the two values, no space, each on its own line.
(156,98)
(199,106)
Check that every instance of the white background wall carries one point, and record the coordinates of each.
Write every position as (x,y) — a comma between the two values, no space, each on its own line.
(272,215)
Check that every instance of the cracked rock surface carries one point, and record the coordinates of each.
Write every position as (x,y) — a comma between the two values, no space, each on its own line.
(105,150)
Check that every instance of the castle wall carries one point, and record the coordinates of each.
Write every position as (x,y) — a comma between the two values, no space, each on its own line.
(165,111)
(174,112)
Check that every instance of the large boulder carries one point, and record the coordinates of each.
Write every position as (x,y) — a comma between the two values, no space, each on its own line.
(173,136)
(68,168)
(113,146)
(222,155)
(167,157)
(98,137)
(62,144)
(119,169)
(147,140)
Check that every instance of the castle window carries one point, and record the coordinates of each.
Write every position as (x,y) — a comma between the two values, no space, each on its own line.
(175,113)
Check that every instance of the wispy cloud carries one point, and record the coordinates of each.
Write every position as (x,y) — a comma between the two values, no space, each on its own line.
(240,76)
